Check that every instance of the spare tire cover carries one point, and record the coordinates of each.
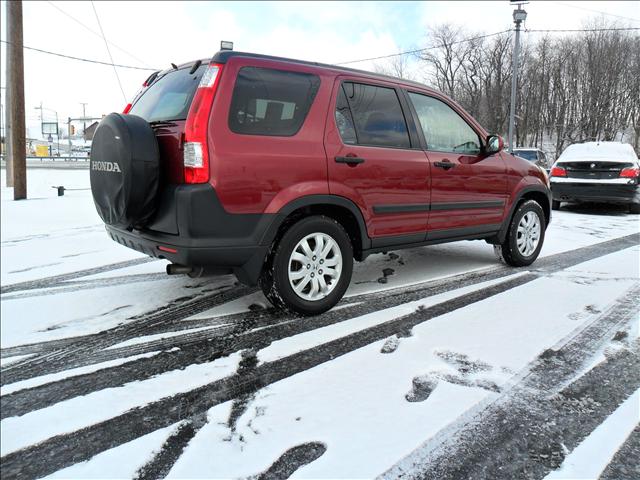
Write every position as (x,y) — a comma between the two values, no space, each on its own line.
(125,170)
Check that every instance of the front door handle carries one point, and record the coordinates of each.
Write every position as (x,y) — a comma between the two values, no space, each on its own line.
(349,160)
(446,164)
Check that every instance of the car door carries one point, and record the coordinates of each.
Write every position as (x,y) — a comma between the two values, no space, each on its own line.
(375,159)
(468,188)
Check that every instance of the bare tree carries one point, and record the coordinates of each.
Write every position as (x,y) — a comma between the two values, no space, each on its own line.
(396,66)
(573,88)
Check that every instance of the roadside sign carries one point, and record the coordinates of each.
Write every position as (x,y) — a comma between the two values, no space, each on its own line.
(50,128)
(42,151)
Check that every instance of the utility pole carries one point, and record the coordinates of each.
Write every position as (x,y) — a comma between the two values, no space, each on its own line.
(84,115)
(15,62)
(8,157)
(519,16)
(69,134)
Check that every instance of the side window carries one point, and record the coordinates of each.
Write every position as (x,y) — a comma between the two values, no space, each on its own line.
(377,116)
(344,120)
(444,130)
(271,102)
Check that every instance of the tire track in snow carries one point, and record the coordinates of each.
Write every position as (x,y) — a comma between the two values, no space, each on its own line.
(161,463)
(527,431)
(69,355)
(75,285)
(625,463)
(64,450)
(83,444)
(57,280)
(563,260)
(241,323)
(252,330)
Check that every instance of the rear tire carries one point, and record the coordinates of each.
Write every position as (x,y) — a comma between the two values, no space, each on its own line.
(634,208)
(555,204)
(525,235)
(314,283)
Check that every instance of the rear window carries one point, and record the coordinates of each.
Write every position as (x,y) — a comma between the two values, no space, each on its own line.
(271,102)
(530,155)
(169,97)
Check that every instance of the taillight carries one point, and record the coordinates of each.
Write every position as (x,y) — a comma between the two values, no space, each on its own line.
(630,172)
(558,172)
(196,153)
(126,109)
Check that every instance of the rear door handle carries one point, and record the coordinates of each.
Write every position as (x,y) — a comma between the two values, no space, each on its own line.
(349,160)
(446,164)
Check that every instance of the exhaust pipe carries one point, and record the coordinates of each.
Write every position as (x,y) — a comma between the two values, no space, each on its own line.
(177,269)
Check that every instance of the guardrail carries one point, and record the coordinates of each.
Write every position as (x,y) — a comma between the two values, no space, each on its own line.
(54,162)
(52,158)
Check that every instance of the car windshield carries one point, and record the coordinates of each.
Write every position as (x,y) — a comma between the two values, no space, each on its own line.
(526,154)
(169,97)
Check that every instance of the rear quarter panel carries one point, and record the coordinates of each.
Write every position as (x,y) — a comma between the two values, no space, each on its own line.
(257,173)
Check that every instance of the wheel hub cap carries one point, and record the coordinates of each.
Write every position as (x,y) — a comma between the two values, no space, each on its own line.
(315,266)
(528,234)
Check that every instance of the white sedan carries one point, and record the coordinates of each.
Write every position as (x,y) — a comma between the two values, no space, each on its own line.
(605,172)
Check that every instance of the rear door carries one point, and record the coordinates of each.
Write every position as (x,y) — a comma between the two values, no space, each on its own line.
(468,188)
(374,159)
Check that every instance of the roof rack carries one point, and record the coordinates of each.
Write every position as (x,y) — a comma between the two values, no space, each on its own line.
(223,55)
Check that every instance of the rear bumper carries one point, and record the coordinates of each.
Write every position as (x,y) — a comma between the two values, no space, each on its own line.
(192,228)
(595,192)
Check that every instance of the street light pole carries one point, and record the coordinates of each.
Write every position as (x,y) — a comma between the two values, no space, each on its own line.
(519,16)
(84,115)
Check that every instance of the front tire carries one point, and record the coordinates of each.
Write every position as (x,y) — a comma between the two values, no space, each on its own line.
(525,235)
(309,268)
(634,208)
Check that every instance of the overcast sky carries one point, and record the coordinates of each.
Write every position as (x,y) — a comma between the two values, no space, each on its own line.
(153,34)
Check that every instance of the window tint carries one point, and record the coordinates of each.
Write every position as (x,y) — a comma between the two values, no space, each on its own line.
(377,115)
(271,102)
(344,120)
(444,129)
(169,97)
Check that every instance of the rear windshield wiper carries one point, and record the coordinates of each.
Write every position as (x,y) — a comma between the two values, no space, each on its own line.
(163,123)
(195,66)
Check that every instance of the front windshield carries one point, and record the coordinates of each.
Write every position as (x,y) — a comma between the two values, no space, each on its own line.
(169,97)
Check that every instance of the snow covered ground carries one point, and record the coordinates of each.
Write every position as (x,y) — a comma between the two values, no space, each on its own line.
(455,366)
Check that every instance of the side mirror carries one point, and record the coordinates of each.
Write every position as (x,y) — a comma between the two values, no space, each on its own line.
(495,143)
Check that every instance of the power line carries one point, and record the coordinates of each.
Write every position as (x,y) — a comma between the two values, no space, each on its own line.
(94,32)
(106,44)
(621,29)
(408,52)
(423,49)
(81,59)
(596,11)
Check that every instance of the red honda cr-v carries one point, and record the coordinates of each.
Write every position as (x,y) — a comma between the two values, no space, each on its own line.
(284,172)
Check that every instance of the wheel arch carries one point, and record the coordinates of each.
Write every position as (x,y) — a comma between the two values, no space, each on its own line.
(341,209)
(539,194)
